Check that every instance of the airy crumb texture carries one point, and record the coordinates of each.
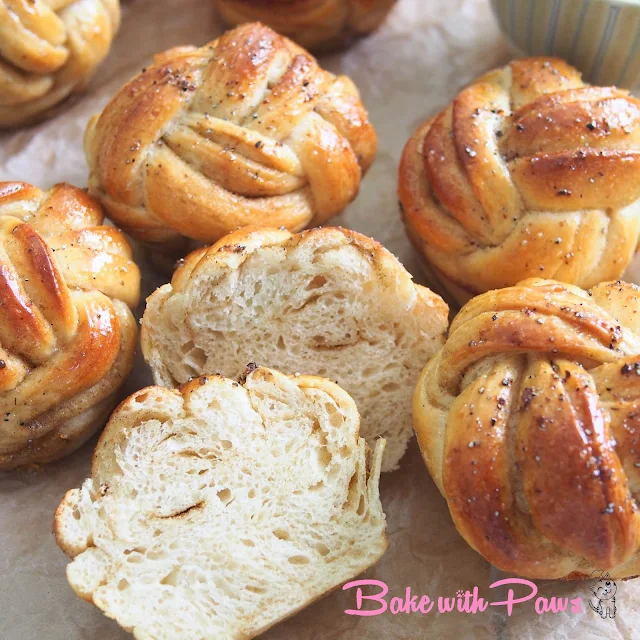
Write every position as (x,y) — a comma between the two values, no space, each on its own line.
(328,302)
(219,509)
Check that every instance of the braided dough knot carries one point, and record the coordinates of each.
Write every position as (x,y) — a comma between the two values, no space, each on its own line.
(49,49)
(318,25)
(246,130)
(529,421)
(529,172)
(67,336)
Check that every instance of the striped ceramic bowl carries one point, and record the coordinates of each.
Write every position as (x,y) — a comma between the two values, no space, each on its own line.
(599,37)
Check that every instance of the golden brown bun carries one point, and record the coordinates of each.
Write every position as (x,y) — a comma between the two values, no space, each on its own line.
(319,25)
(528,173)
(246,130)
(48,50)
(67,336)
(529,421)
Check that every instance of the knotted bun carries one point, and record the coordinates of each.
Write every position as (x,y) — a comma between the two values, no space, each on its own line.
(529,172)
(67,336)
(319,25)
(529,422)
(48,50)
(246,130)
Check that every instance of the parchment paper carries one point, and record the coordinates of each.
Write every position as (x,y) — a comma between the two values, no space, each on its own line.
(413,66)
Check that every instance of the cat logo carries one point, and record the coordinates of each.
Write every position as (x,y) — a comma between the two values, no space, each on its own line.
(604,590)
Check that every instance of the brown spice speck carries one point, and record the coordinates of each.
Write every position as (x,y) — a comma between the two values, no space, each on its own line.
(527,395)
(251,367)
(629,368)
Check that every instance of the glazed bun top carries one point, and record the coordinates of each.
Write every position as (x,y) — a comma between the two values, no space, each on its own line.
(528,421)
(67,336)
(528,172)
(245,130)
(49,49)
(319,25)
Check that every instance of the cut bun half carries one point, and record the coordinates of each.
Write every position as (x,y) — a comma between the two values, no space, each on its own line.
(328,302)
(221,508)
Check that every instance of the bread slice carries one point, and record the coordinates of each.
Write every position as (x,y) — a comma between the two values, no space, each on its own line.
(328,302)
(219,509)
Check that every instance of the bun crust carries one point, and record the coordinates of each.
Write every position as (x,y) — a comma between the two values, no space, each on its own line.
(528,422)
(247,130)
(221,508)
(328,302)
(67,336)
(317,25)
(530,168)
(49,51)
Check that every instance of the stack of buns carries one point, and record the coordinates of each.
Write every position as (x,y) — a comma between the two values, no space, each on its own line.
(245,484)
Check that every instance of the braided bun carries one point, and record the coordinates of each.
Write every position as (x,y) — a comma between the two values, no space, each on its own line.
(246,130)
(529,172)
(48,50)
(528,421)
(67,336)
(319,25)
